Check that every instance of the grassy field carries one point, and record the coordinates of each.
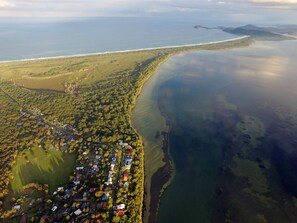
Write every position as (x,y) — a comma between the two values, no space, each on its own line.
(38,166)
(53,73)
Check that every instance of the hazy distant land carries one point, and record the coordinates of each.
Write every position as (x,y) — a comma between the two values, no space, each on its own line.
(276,33)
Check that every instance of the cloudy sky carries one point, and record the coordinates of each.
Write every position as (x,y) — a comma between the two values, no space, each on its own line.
(234,9)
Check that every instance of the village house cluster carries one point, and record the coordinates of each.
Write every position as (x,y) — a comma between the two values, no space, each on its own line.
(97,191)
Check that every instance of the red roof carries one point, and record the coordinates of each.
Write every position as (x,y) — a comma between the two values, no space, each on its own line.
(120,213)
(24,219)
(104,205)
(125,177)
(129,151)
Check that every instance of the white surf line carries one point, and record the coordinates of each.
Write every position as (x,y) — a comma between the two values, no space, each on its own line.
(287,35)
(125,51)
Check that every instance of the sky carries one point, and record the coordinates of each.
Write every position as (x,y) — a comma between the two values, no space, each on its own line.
(277,11)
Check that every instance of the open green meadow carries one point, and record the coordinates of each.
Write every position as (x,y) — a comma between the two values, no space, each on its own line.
(36,165)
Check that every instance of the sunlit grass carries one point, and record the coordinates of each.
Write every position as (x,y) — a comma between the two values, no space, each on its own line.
(50,167)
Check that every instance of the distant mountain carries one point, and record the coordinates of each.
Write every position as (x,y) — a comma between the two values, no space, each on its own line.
(263,33)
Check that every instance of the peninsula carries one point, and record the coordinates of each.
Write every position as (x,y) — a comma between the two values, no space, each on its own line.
(277,33)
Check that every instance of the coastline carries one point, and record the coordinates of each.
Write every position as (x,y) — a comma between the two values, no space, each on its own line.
(162,178)
(166,171)
(141,73)
(125,51)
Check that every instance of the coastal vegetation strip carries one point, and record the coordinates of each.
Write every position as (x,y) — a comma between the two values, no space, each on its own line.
(88,116)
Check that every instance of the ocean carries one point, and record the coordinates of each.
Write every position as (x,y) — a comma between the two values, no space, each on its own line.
(45,39)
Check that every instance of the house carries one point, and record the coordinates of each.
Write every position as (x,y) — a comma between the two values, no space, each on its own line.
(128,161)
(77,212)
(125,184)
(121,206)
(84,205)
(124,144)
(76,182)
(120,213)
(112,166)
(80,168)
(92,190)
(104,205)
(54,208)
(17,207)
(127,167)
(125,177)
(24,219)
(60,189)
(104,197)
(129,151)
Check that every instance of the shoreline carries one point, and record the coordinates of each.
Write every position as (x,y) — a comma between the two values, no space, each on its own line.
(162,178)
(123,51)
(166,172)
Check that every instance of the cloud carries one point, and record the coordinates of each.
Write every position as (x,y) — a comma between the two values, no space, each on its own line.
(5,4)
(277,1)
(93,8)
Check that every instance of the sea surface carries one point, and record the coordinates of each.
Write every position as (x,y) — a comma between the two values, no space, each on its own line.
(232,116)
(44,39)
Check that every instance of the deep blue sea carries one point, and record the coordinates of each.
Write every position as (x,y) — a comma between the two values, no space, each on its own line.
(35,40)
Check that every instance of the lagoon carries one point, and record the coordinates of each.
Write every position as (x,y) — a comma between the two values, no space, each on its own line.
(232,119)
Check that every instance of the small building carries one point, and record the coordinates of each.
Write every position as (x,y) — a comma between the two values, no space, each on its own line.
(76,182)
(129,151)
(24,219)
(77,212)
(121,207)
(125,177)
(127,167)
(54,208)
(60,189)
(104,205)
(105,197)
(17,207)
(120,213)
(112,166)
(128,161)
(80,168)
